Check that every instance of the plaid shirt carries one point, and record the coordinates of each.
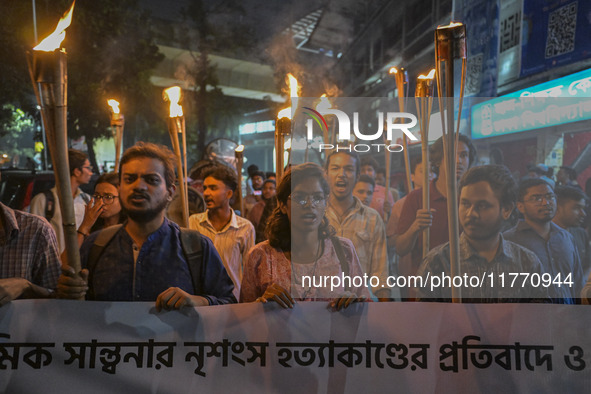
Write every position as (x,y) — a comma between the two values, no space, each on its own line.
(28,248)
(365,228)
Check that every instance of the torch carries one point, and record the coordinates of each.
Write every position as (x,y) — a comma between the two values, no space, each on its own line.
(48,70)
(239,155)
(176,126)
(283,126)
(117,125)
(424,101)
(282,129)
(401,78)
(450,46)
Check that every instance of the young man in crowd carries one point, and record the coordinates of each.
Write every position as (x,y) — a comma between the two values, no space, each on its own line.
(364,189)
(567,176)
(352,220)
(570,215)
(404,263)
(487,198)
(414,219)
(553,245)
(29,262)
(260,213)
(232,235)
(378,202)
(258,178)
(148,258)
(48,206)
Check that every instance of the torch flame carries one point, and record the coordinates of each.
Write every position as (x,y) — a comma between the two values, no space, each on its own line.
(239,148)
(293,86)
(324,103)
(431,75)
(54,40)
(284,113)
(114,104)
(173,95)
(451,24)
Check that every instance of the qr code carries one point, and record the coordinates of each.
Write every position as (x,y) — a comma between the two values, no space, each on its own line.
(510,31)
(473,74)
(562,25)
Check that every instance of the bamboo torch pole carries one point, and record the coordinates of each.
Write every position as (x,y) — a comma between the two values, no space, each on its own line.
(48,70)
(401,78)
(117,125)
(424,101)
(450,45)
(282,129)
(239,155)
(176,126)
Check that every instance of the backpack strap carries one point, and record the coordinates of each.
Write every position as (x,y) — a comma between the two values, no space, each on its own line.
(49,205)
(85,197)
(96,250)
(191,244)
(338,248)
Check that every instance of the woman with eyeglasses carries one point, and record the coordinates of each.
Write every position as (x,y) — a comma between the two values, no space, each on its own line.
(301,251)
(104,209)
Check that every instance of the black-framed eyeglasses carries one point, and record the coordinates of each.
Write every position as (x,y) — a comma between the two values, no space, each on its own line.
(314,199)
(107,198)
(539,198)
(89,168)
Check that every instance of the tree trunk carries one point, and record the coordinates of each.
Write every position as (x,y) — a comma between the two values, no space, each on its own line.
(91,154)
(201,105)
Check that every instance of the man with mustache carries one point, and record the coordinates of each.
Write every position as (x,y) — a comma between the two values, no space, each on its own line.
(487,198)
(570,215)
(553,245)
(351,219)
(232,235)
(408,237)
(148,258)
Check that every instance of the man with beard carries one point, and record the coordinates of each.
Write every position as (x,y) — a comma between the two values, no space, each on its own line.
(487,198)
(148,258)
(408,237)
(351,219)
(232,235)
(553,245)
(570,215)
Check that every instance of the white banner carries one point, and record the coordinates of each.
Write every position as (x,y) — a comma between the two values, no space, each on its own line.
(53,346)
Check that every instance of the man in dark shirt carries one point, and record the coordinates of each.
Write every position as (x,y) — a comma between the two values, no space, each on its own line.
(553,245)
(487,198)
(570,215)
(145,259)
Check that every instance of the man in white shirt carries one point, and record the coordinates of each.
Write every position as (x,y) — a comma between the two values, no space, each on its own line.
(80,174)
(232,235)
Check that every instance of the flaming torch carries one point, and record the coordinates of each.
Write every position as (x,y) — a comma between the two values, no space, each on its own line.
(450,46)
(401,78)
(239,155)
(48,70)
(424,100)
(282,129)
(283,126)
(176,126)
(117,125)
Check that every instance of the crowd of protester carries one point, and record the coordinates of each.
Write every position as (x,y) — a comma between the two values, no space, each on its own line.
(333,222)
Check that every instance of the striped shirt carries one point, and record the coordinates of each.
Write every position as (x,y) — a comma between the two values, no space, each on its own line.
(28,248)
(232,242)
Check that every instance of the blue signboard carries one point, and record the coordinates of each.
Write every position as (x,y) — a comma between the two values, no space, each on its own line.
(563,100)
